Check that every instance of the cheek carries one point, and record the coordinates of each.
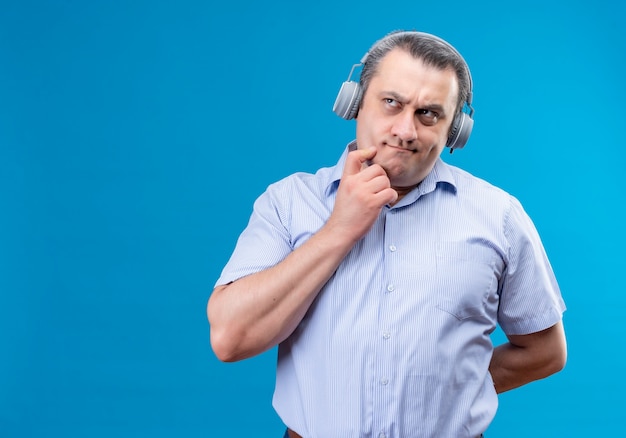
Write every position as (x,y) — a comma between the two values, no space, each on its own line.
(370,126)
(437,137)
(444,132)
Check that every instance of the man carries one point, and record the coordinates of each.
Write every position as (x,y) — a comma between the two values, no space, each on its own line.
(382,278)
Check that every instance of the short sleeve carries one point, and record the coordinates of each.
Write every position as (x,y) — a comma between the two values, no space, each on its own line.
(265,241)
(530,298)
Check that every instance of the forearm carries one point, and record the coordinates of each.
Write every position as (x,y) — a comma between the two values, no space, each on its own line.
(528,358)
(510,368)
(256,312)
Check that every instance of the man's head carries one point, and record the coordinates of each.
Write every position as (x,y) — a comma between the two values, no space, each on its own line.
(413,85)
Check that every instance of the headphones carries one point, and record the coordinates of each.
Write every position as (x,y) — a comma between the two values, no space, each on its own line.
(349,98)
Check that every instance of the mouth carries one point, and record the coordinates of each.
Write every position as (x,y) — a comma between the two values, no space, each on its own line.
(401,148)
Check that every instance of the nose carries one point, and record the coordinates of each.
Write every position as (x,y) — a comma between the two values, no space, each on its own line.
(404,127)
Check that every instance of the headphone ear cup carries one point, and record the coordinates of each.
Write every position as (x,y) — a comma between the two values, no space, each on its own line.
(348,100)
(460,131)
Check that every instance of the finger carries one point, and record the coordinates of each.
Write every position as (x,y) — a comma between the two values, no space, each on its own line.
(384,197)
(381,186)
(356,159)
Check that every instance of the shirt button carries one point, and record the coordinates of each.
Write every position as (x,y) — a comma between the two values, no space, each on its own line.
(392,248)
(382,435)
(391,288)
(384,381)
(386,335)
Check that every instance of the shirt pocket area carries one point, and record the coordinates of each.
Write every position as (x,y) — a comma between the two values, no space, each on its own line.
(467,279)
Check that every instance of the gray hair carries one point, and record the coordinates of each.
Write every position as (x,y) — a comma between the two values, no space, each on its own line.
(432,50)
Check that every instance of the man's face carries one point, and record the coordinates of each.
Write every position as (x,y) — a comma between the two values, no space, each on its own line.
(406,114)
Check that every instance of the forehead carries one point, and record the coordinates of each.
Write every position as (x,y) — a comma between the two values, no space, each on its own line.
(400,72)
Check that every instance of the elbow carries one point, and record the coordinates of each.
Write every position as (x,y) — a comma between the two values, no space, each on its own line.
(222,349)
(227,340)
(556,361)
(233,346)
(555,350)
(217,339)
(552,366)
(559,360)
(222,340)
(560,351)
(232,338)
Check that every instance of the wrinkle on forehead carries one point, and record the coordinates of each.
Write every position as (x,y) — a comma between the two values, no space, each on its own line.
(416,83)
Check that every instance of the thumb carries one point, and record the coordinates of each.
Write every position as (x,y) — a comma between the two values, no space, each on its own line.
(356,158)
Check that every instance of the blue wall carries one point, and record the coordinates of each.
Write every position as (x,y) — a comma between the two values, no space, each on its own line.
(134,137)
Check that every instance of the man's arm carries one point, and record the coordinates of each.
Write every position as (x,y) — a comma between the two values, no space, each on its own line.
(526,358)
(255,313)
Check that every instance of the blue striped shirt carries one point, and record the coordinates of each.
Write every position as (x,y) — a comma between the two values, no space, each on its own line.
(397,343)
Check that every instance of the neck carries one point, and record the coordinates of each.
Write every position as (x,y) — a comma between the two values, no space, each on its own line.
(402,191)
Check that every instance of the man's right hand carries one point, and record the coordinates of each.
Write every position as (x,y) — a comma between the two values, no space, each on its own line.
(363,192)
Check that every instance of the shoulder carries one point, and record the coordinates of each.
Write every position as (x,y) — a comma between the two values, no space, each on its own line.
(302,183)
(470,186)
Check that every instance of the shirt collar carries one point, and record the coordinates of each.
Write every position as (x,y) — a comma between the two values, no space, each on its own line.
(335,175)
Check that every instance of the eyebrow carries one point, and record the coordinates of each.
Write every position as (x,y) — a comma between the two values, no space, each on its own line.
(432,107)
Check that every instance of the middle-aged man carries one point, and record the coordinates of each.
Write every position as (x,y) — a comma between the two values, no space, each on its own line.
(382,277)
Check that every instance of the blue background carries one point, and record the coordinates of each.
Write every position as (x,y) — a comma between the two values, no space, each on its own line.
(135,136)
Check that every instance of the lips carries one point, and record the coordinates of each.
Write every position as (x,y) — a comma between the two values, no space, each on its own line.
(401,148)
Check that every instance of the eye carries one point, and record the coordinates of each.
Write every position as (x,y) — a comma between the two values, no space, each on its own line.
(427,117)
(391,102)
